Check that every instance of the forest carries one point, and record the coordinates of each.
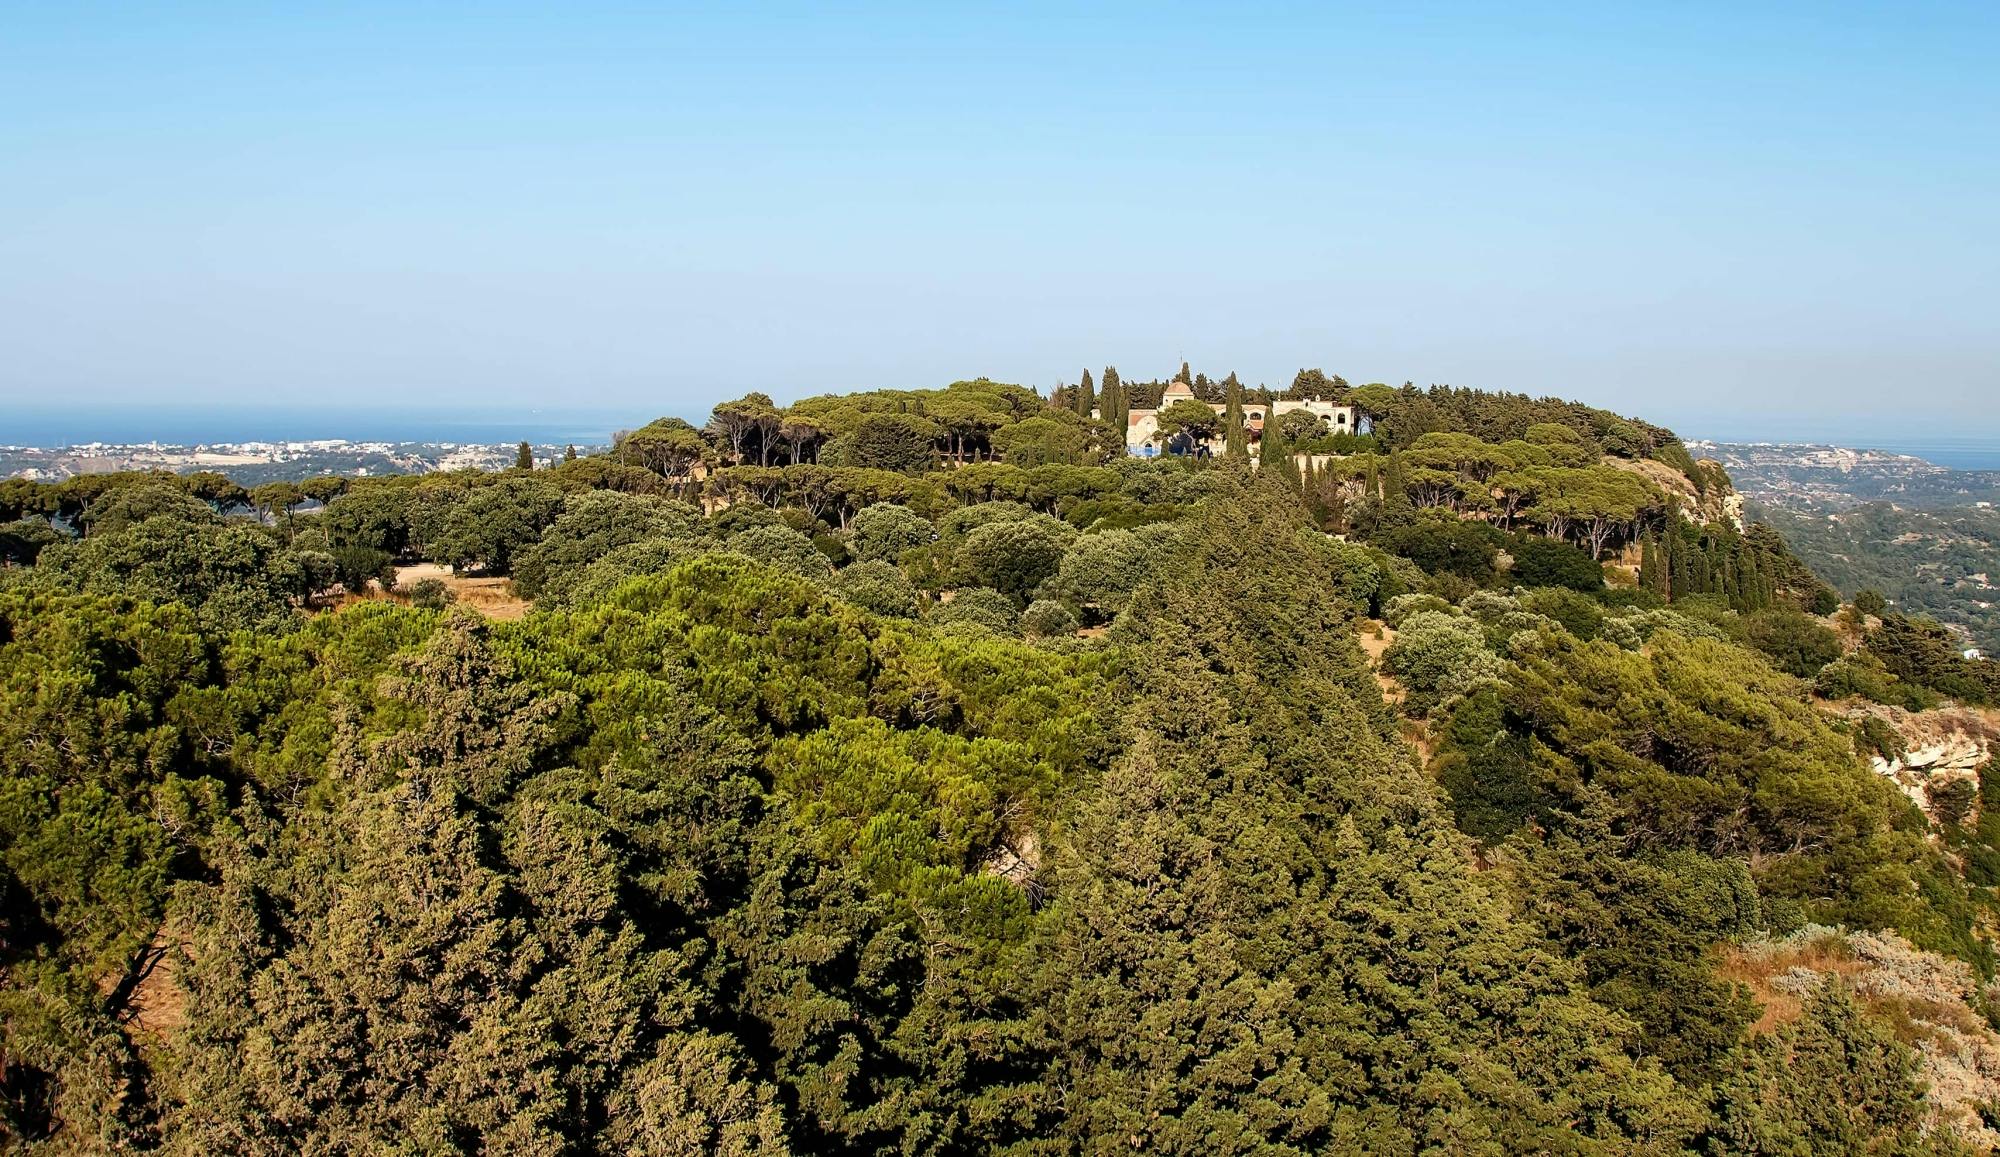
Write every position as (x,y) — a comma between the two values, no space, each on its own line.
(916,772)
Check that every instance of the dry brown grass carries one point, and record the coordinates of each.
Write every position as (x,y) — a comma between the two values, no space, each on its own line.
(492,597)
(1755,971)
(1375,639)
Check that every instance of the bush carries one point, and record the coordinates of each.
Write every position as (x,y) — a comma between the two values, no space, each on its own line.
(784,548)
(1870,602)
(1101,571)
(976,606)
(1629,598)
(357,566)
(1862,676)
(1446,546)
(1874,736)
(429,593)
(1544,562)
(1403,606)
(836,551)
(1047,618)
(882,532)
(1796,642)
(1578,614)
(1015,557)
(966,519)
(877,587)
(1440,657)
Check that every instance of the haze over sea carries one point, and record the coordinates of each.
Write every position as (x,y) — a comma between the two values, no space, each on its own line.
(186,425)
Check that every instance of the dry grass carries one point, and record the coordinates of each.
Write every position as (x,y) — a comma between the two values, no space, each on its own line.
(492,597)
(1756,971)
(1376,638)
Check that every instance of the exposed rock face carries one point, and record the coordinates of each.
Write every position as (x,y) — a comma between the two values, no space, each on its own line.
(1942,746)
(1717,505)
(1016,861)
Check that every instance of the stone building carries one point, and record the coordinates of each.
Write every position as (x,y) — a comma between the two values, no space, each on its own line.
(1142,433)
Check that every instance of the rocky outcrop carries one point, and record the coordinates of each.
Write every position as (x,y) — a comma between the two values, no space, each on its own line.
(1716,504)
(1940,748)
(1016,860)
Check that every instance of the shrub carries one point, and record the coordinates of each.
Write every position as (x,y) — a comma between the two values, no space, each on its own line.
(357,566)
(1101,571)
(1403,606)
(877,587)
(784,548)
(1578,614)
(1015,557)
(1440,657)
(882,532)
(1796,642)
(1047,618)
(429,593)
(1862,676)
(1446,546)
(976,606)
(1544,562)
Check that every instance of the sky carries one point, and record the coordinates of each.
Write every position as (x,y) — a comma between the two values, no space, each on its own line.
(1746,219)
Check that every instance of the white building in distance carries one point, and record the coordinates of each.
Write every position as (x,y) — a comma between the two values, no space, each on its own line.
(1142,432)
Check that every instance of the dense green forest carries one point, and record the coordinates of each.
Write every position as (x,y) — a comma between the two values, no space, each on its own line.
(1937,562)
(914,772)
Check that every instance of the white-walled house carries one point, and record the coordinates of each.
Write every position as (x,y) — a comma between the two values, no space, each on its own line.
(1142,432)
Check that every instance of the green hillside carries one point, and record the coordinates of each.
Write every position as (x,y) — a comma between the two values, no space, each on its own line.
(919,772)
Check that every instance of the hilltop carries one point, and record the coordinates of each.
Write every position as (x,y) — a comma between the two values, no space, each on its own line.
(1151,765)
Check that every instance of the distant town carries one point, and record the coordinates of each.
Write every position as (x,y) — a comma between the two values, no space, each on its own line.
(254,463)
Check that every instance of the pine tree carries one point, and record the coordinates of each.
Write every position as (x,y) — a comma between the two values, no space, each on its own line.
(1085,397)
(524,458)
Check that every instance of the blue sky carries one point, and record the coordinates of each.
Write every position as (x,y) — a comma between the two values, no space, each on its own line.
(1736,218)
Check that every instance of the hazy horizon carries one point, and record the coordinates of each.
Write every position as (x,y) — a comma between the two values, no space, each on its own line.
(190,423)
(1706,216)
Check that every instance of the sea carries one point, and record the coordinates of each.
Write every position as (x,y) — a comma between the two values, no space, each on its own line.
(1953,453)
(47,427)
(53,427)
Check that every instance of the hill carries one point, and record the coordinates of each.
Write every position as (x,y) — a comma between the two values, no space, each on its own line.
(923,771)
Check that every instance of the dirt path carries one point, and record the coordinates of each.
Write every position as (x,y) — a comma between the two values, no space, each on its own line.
(1375,639)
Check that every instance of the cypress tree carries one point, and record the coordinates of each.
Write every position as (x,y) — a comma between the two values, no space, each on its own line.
(1117,409)
(1649,564)
(569,452)
(524,458)
(1270,449)
(1236,443)
(1395,491)
(1085,397)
